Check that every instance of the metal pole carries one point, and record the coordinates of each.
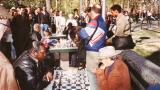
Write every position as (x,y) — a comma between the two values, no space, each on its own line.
(103,9)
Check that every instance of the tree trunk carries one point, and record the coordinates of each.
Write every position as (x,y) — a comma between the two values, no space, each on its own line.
(48,4)
(123,2)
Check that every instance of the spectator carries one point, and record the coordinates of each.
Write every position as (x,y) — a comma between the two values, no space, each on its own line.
(20,27)
(149,15)
(125,13)
(36,16)
(71,20)
(45,20)
(30,12)
(76,16)
(87,15)
(7,78)
(137,16)
(60,23)
(46,39)
(94,43)
(6,41)
(45,17)
(36,36)
(122,38)
(53,21)
(70,32)
(56,21)
(29,70)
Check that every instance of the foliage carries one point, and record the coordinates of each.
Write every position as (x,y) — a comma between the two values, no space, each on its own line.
(33,3)
(65,5)
(69,5)
(9,3)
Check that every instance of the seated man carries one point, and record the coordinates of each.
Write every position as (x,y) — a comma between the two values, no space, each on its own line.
(113,73)
(29,70)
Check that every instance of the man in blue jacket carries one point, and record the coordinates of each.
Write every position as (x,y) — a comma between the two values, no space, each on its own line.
(95,43)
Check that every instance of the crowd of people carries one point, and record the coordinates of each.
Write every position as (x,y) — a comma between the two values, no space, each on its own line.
(26,33)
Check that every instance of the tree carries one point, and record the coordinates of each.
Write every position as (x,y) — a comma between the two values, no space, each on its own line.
(48,4)
(9,3)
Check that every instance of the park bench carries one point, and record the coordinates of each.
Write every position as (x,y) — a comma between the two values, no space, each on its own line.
(144,74)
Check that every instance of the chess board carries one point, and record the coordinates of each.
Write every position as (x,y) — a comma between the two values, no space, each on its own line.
(70,80)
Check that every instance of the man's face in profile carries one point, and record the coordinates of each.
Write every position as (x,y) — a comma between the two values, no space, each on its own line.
(41,53)
(114,13)
(89,14)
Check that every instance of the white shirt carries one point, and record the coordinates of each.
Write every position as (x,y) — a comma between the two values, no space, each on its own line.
(60,21)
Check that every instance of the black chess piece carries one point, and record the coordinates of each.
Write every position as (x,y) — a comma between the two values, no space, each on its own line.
(54,86)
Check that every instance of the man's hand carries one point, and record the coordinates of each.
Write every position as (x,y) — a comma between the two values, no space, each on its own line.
(48,76)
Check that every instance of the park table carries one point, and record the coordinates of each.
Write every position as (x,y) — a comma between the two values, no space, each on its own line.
(64,55)
(63,50)
(57,36)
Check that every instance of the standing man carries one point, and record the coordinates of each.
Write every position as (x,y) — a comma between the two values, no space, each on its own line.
(20,27)
(122,38)
(95,43)
(60,22)
(122,22)
(45,20)
(7,78)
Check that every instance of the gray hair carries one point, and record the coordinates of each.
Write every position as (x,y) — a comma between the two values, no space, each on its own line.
(36,45)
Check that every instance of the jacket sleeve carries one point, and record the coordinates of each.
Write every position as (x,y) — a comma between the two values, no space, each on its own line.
(83,34)
(28,79)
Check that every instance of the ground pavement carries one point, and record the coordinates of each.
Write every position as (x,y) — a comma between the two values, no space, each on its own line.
(147,42)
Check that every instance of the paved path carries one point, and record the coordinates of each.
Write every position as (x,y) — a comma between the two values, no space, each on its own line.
(148,43)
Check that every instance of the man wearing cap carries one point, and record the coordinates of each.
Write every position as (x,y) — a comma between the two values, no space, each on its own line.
(30,72)
(94,42)
(7,78)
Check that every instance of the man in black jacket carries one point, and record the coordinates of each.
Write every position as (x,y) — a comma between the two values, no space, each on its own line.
(30,72)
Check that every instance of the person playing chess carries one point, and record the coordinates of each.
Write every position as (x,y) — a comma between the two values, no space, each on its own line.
(30,72)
